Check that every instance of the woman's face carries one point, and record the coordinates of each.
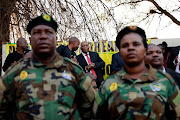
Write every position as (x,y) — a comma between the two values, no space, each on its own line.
(132,49)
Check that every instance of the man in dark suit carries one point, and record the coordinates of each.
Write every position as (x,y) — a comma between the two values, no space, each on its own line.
(91,62)
(171,63)
(117,63)
(154,57)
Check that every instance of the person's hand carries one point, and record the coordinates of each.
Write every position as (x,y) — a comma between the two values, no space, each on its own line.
(87,67)
(176,59)
(74,59)
(91,65)
(94,85)
(13,63)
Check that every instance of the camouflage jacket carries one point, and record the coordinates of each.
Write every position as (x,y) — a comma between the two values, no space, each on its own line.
(154,96)
(58,91)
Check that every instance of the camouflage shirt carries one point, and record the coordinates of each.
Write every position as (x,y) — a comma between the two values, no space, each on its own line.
(154,96)
(58,91)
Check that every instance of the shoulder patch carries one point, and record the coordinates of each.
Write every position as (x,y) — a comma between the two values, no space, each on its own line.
(23,74)
(113,86)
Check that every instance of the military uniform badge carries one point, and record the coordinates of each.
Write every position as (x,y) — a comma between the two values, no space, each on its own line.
(23,75)
(155,87)
(113,86)
(66,75)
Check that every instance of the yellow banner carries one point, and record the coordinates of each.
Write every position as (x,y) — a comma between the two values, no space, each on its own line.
(105,49)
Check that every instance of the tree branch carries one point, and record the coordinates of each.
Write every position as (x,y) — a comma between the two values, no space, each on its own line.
(166,13)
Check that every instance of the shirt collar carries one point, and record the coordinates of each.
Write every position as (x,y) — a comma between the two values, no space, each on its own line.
(84,54)
(56,63)
(150,76)
(163,69)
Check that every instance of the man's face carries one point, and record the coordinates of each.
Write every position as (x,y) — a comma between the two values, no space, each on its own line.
(84,47)
(43,41)
(76,45)
(154,56)
(132,49)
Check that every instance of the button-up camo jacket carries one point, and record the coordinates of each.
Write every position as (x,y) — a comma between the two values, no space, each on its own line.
(154,96)
(31,90)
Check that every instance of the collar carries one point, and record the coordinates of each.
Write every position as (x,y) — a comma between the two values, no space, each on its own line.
(150,76)
(19,52)
(56,63)
(68,47)
(84,54)
(163,69)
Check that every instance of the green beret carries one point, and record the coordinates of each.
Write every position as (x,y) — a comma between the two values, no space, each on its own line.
(131,29)
(42,20)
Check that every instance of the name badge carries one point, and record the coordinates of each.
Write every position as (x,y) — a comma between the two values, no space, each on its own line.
(155,87)
(66,75)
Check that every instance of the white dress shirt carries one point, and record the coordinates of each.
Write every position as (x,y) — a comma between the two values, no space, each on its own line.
(85,57)
(163,69)
(84,54)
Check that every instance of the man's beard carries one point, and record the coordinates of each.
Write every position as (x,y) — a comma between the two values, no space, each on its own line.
(157,65)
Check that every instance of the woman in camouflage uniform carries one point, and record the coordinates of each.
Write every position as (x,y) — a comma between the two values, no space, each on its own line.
(137,91)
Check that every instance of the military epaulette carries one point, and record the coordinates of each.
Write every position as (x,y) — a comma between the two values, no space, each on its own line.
(71,61)
(167,76)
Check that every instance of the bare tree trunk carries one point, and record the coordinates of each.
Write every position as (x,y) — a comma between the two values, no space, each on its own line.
(6,8)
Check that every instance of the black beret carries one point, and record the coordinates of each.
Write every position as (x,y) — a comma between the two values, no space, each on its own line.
(42,20)
(130,29)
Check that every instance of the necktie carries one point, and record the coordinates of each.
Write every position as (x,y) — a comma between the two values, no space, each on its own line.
(89,61)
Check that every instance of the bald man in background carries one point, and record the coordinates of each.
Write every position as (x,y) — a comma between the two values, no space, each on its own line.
(69,50)
(12,58)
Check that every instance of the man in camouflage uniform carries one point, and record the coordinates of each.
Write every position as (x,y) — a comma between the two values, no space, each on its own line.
(45,85)
(152,96)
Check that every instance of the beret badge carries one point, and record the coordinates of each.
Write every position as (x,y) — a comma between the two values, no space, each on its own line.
(42,20)
(47,18)
(133,28)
